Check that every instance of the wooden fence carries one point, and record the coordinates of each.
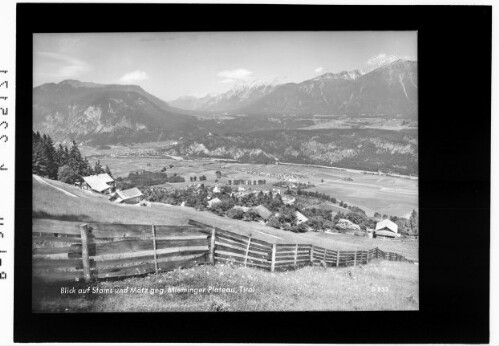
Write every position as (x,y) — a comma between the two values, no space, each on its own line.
(251,252)
(69,251)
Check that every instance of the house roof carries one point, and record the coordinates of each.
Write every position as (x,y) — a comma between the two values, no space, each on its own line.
(130,193)
(98,182)
(301,217)
(387,225)
(263,212)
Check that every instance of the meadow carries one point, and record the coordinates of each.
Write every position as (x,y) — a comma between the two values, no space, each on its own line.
(379,285)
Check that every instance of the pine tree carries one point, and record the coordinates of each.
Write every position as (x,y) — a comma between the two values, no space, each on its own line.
(62,156)
(108,171)
(87,168)
(75,161)
(39,161)
(98,168)
(51,157)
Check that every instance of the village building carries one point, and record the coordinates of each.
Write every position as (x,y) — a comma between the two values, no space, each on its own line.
(386,229)
(289,200)
(300,218)
(263,212)
(101,183)
(130,196)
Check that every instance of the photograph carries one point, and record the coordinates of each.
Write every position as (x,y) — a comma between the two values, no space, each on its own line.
(225,171)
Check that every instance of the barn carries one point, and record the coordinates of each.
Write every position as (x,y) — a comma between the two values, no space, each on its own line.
(386,229)
(101,183)
(130,196)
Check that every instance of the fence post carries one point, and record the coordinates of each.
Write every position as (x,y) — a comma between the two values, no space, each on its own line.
(325,251)
(296,253)
(272,264)
(153,230)
(247,250)
(84,252)
(355,258)
(337,258)
(312,255)
(212,246)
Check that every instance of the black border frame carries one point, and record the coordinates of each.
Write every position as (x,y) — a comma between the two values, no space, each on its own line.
(454,44)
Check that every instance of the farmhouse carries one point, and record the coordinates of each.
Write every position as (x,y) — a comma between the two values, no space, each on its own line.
(386,228)
(130,196)
(101,183)
(263,212)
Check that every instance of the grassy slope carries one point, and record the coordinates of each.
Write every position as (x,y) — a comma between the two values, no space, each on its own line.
(90,207)
(380,285)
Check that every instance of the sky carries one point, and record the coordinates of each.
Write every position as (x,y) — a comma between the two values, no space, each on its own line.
(170,65)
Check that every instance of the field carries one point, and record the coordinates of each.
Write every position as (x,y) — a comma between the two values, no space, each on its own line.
(379,285)
(343,121)
(373,193)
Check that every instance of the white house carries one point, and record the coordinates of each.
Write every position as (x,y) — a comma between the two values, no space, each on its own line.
(130,196)
(101,183)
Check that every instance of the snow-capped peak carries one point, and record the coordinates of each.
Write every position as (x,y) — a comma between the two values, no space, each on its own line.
(382,60)
(346,75)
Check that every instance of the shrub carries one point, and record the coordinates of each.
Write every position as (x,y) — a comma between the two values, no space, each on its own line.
(235,214)
(274,222)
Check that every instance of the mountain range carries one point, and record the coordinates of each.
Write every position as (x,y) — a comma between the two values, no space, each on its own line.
(101,114)
(389,89)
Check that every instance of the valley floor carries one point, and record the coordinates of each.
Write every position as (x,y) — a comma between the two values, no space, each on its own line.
(373,193)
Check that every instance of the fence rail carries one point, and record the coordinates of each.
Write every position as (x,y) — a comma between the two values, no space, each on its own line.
(69,251)
(65,250)
(249,251)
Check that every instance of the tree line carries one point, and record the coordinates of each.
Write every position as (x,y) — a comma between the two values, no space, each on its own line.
(63,163)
